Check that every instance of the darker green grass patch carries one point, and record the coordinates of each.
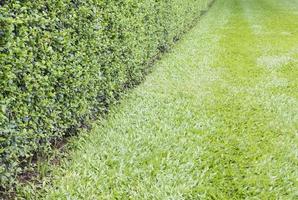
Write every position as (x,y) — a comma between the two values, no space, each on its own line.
(238,51)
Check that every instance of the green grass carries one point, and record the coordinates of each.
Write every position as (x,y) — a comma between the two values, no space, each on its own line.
(216,119)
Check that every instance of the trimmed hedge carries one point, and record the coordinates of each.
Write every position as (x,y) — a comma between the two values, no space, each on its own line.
(63,61)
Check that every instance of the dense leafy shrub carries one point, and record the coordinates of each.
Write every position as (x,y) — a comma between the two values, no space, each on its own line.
(64,60)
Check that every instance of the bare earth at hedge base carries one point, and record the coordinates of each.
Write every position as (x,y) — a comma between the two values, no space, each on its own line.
(217,119)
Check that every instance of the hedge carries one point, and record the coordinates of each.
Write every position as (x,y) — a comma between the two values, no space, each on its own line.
(63,61)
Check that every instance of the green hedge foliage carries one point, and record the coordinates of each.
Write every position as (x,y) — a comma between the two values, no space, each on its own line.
(63,61)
